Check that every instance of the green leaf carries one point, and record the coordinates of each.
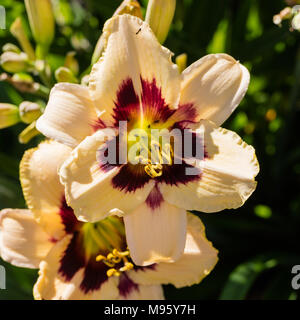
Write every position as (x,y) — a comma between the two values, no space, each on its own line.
(242,278)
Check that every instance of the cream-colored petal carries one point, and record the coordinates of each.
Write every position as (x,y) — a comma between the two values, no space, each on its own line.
(228,174)
(198,260)
(69,115)
(42,189)
(52,286)
(147,292)
(155,235)
(132,51)
(23,242)
(89,190)
(216,84)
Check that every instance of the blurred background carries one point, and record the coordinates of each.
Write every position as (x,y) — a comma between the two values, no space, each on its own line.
(258,243)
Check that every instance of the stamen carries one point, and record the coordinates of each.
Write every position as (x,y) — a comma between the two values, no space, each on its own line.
(128,266)
(113,272)
(105,261)
(120,254)
(100,258)
(113,258)
(155,169)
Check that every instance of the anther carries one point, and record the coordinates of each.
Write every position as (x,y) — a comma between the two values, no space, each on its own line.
(112,272)
(100,258)
(128,266)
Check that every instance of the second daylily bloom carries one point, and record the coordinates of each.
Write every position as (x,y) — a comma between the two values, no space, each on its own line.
(86,260)
(135,81)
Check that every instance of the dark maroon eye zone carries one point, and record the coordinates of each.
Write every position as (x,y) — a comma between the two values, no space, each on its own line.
(74,258)
(152,107)
(68,217)
(129,107)
(126,286)
(131,177)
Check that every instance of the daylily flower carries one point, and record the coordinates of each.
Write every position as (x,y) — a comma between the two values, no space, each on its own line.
(86,260)
(136,81)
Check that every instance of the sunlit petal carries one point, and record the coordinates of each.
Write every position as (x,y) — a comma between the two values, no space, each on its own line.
(23,242)
(215,84)
(69,115)
(227,178)
(197,261)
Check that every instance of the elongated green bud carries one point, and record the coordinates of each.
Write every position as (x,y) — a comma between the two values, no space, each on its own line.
(64,74)
(14,62)
(9,115)
(42,24)
(28,133)
(18,32)
(29,111)
(159,15)
(71,62)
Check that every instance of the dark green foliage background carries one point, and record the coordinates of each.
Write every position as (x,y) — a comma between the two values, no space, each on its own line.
(258,243)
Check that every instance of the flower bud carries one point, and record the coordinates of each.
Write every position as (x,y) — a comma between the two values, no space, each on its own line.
(71,63)
(24,83)
(296,22)
(277,19)
(28,133)
(64,74)
(24,77)
(18,32)
(159,16)
(286,13)
(131,7)
(9,47)
(181,61)
(29,111)
(9,115)
(42,24)
(14,62)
